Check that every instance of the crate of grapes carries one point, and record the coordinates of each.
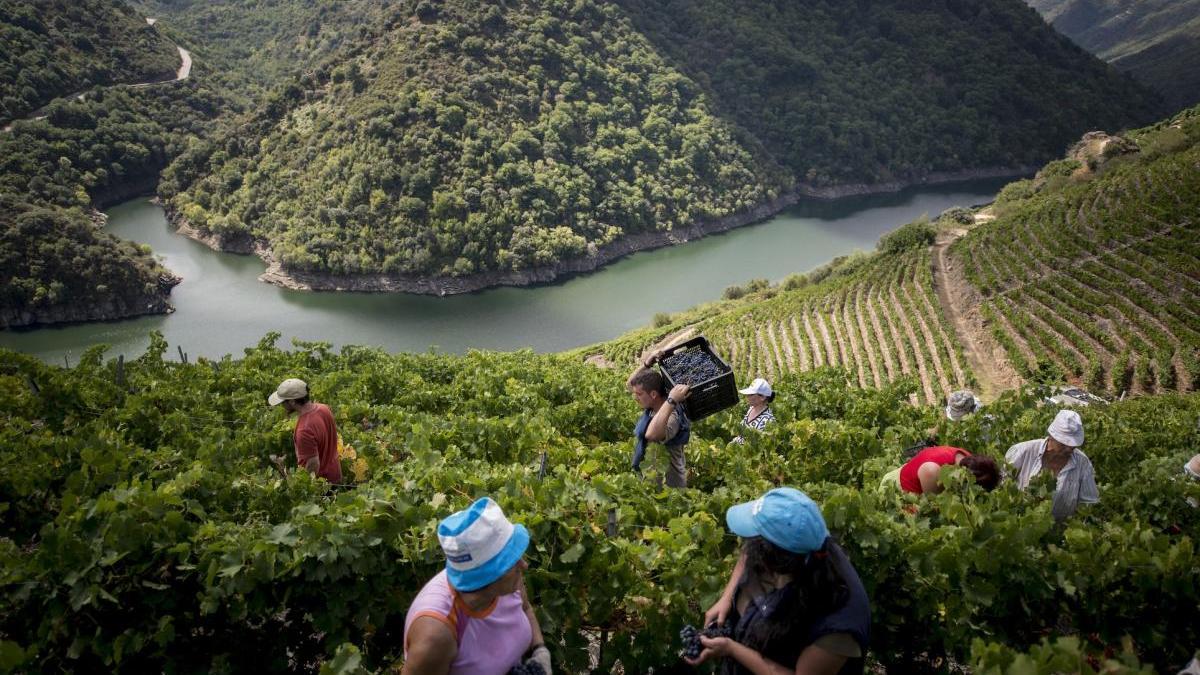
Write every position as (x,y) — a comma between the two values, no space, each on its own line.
(711,379)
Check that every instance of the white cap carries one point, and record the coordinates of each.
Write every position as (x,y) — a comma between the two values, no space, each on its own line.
(758,386)
(288,390)
(1067,428)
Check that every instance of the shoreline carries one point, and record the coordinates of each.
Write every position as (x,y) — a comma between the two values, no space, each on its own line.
(596,258)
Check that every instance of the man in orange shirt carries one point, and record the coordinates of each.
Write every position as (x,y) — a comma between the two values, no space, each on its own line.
(316,436)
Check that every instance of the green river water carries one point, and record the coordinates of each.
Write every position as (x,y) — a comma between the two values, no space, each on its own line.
(221,307)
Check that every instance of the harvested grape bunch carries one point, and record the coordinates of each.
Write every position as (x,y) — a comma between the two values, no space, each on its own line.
(691,367)
(691,639)
(527,668)
(716,631)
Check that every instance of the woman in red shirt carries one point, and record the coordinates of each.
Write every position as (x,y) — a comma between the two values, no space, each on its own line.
(920,474)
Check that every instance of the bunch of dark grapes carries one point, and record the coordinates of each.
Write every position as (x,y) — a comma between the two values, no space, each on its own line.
(691,638)
(690,367)
(691,642)
(527,668)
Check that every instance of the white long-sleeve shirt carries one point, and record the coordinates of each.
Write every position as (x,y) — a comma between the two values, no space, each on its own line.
(1076,482)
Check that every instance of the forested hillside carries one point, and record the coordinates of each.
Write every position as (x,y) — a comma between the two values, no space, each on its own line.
(52,48)
(472,139)
(58,265)
(145,530)
(1088,273)
(1156,41)
(251,47)
(868,92)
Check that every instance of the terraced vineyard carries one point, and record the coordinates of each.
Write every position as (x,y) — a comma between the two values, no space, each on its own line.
(1095,270)
(1088,273)
(876,317)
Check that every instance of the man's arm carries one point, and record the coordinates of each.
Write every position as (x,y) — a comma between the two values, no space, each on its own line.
(431,648)
(661,427)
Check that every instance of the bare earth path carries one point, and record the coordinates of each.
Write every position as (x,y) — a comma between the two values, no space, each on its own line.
(960,302)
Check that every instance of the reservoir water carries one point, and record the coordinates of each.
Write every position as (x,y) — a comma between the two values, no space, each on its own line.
(221,307)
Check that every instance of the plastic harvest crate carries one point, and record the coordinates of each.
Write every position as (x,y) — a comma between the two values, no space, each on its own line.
(710,396)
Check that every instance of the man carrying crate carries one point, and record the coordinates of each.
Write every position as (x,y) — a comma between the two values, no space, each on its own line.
(662,420)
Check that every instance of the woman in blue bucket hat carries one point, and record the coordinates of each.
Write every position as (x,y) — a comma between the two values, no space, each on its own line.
(794,603)
(474,617)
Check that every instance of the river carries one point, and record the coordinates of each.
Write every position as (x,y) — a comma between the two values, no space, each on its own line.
(221,307)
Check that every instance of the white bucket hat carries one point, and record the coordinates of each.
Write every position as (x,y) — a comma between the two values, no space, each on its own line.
(480,544)
(288,390)
(758,386)
(1067,428)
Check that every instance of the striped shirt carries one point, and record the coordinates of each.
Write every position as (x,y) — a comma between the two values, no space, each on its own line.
(760,421)
(1076,483)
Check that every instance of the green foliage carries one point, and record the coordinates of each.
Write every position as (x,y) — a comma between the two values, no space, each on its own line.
(1063,655)
(53,48)
(1155,41)
(842,91)
(58,264)
(1089,274)
(55,265)
(452,141)
(917,234)
(143,528)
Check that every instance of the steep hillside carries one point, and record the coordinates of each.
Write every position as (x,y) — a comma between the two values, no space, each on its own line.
(469,141)
(1093,267)
(859,92)
(472,144)
(1156,41)
(56,47)
(57,264)
(254,46)
(1088,273)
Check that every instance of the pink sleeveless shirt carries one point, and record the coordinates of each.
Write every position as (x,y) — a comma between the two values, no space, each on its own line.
(490,641)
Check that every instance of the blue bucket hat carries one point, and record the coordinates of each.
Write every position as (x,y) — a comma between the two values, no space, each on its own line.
(784,516)
(480,544)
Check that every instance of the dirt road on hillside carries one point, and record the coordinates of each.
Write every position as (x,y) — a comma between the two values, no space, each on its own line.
(960,302)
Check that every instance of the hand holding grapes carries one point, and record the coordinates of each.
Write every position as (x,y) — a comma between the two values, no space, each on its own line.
(679,392)
(714,648)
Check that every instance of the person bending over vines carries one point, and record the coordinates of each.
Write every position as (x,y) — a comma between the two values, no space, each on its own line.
(794,603)
(921,474)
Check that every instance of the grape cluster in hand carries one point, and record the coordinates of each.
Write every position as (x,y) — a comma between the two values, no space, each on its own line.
(530,667)
(691,367)
(691,638)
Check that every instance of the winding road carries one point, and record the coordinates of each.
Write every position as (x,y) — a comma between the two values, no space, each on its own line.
(184,71)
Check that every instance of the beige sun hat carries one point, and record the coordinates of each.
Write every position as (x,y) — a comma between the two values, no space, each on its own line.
(288,390)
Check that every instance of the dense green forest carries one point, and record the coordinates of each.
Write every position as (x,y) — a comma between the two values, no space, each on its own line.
(473,137)
(52,48)
(856,91)
(58,265)
(468,140)
(252,46)
(1156,41)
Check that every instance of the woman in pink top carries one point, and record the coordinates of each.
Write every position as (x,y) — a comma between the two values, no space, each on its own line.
(474,617)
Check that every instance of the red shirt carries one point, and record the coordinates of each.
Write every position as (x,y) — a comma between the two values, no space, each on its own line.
(940,455)
(316,436)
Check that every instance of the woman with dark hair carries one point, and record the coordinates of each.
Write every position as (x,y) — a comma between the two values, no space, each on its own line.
(920,475)
(794,603)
